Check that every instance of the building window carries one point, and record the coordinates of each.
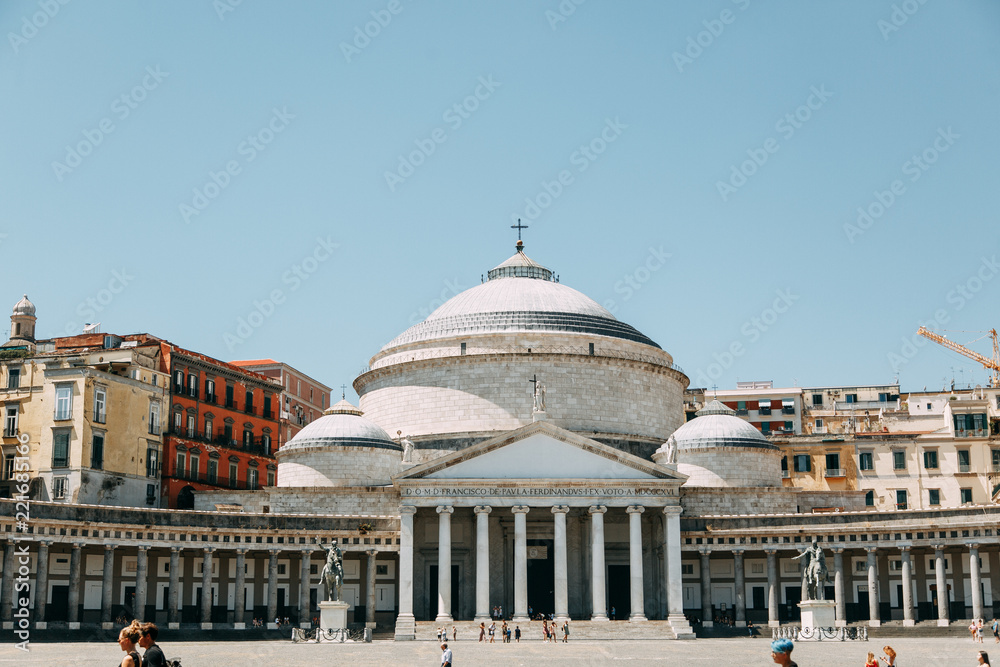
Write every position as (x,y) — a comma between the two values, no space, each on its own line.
(64,402)
(154,418)
(151,494)
(833,465)
(931,459)
(178,419)
(97,452)
(8,467)
(789,426)
(248,402)
(265,441)
(802,463)
(311,389)
(152,462)
(251,479)
(966,495)
(230,403)
(788,406)
(817,400)
(209,426)
(178,382)
(995,454)
(964,461)
(933,496)
(58,488)
(213,471)
(765,428)
(866,461)
(193,385)
(901,499)
(10,421)
(270,478)
(60,449)
(870,498)
(298,388)
(819,423)
(899,460)
(195,466)
(233,475)
(13,378)
(179,470)
(228,435)
(191,425)
(851,398)
(210,391)
(247,438)
(100,404)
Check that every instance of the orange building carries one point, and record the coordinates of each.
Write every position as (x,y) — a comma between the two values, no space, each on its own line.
(302,399)
(222,427)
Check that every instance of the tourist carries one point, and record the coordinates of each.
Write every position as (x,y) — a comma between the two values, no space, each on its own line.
(890,656)
(983,658)
(482,631)
(565,632)
(750,629)
(612,613)
(505,633)
(781,652)
(500,612)
(517,633)
(127,640)
(996,631)
(445,656)
(152,654)
(870,661)
(493,631)
(979,631)
(972,629)
(545,631)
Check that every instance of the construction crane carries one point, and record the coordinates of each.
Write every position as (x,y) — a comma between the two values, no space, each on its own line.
(992,364)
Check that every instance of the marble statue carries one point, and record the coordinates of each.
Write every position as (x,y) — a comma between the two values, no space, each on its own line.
(814,572)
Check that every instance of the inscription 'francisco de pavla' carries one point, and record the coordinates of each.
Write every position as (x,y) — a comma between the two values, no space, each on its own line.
(537,491)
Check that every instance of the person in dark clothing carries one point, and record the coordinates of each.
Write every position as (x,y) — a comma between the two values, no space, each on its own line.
(153,656)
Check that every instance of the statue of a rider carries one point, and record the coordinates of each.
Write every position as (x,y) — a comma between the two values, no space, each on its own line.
(814,572)
(333,572)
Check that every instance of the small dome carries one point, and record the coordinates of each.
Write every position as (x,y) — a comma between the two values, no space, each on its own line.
(718,426)
(341,426)
(24,307)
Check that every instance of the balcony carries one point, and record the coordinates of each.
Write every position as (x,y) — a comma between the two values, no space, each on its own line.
(268,414)
(100,417)
(764,411)
(971,433)
(210,399)
(213,480)
(231,404)
(964,467)
(255,446)
(154,429)
(248,408)
(995,467)
(743,412)
(865,405)
(788,410)
(834,472)
(11,432)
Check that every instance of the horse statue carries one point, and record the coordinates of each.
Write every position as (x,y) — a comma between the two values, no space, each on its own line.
(814,574)
(333,573)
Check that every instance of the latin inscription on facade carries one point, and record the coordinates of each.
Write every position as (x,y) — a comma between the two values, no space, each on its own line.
(635,492)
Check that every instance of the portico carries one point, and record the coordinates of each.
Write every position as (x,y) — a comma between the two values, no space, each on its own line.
(573,528)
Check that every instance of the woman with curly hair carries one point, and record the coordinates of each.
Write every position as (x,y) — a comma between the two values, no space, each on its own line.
(127,640)
(890,653)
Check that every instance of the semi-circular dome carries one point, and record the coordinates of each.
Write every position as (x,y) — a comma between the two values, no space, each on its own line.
(520,295)
(718,426)
(24,307)
(341,426)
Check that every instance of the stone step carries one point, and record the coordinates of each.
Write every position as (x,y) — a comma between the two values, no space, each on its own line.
(532,630)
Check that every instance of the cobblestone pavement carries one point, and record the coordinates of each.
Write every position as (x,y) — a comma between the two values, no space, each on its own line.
(742,652)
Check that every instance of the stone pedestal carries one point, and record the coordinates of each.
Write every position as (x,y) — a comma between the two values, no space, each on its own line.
(539,416)
(818,614)
(333,615)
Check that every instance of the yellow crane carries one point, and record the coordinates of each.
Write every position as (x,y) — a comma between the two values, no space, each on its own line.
(992,364)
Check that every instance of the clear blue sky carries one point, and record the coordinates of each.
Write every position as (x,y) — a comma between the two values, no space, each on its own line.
(310,117)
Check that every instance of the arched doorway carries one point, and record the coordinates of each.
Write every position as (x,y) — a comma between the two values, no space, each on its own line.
(185,499)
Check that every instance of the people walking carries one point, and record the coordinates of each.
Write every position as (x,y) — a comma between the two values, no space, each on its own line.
(517,633)
(482,631)
(493,631)
(128,638)
(445,656)
(152,654)
(565,630)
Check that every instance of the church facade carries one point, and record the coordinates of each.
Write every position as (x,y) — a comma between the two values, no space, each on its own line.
(519,449)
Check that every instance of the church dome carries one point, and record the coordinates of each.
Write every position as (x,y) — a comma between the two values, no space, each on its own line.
(717,425)
(24,307)
(519,295)
(341,448)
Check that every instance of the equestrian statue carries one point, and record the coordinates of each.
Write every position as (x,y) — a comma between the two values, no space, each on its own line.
(333,572)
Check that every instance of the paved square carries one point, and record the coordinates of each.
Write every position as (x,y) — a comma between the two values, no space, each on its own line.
(742,652)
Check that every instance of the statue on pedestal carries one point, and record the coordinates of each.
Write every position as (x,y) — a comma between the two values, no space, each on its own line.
(814,572)
(539,405)
(333,572)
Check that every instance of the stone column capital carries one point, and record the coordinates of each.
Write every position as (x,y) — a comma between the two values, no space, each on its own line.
(482,509)
(560,509)
(635,509)
(79,545)
(273,552)
(112,547)
(407,509)
(143,547)
(597,509)
(241,550)
(837,550)
(738,553)
(705,552)
(372,553)
(974,546)
(520,509)
(208,550)
(871,550)
(673,510)
(445,509)
(905,550)
(172,549)
(937,547)
(770,551)
(45,543)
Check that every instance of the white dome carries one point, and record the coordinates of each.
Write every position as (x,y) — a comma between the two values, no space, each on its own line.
(718,426)
(341,426)
(24,307)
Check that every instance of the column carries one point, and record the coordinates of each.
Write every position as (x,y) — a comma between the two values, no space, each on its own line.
(520,563)
(483,563)
(942,586)
(41,584)
(674,578)
(272,589)
(907,600)
(838,587)
(305,620)
(444,564)
(240,611)
(635,562)
(741,590)
(7,587)
(370,603)
(874,620)
(173,590)
(772,589)
(206,589)
(976,581)
(597,588)
(405,625)
(707,618)
(74,588)
(561,571)
(141,576)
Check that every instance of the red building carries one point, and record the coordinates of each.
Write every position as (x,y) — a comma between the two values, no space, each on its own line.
(302,399)
(223,427)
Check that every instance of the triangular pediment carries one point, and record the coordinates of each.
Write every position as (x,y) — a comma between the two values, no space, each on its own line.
(540,451)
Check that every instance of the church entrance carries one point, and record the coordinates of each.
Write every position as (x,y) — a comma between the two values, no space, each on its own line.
(432,592)
(541,578)
(619,592)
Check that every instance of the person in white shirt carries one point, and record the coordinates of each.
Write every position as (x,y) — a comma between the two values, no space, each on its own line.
(445,656)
